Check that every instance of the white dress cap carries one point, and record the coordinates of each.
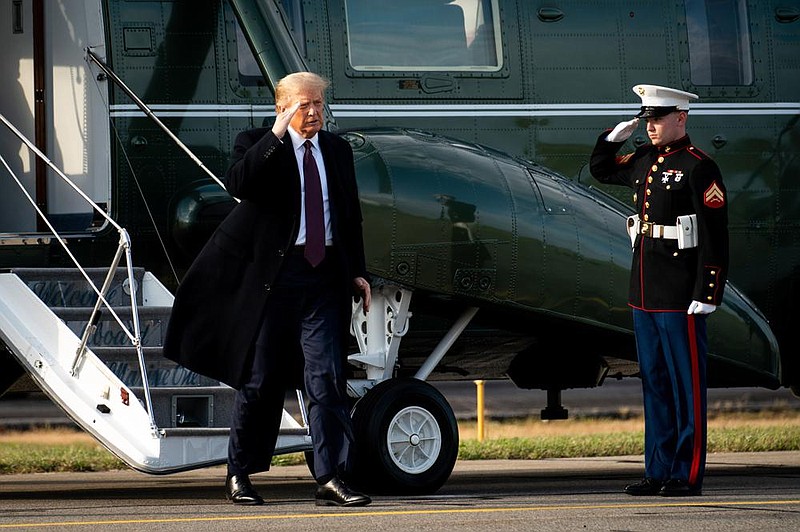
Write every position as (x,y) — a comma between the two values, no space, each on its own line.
(660,101)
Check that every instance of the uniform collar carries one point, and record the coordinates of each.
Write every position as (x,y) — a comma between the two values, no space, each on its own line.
(676,145)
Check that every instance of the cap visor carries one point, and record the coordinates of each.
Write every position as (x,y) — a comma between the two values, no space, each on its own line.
(654,112)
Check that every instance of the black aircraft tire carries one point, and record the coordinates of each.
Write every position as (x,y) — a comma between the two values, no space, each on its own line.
(424,436)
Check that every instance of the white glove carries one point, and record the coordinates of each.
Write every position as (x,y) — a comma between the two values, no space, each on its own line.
(622,131)
(701,308)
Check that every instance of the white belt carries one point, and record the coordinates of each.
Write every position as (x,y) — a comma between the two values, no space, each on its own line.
(659,231)
(637,227)
(684,231)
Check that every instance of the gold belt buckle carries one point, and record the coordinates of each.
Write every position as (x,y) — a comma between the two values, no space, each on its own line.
(647,227)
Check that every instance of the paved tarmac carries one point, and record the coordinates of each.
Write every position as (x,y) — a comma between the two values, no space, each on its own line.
(743,491)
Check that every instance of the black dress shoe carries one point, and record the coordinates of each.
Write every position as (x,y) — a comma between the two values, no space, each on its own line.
(648,486)
(239,491)
(678,488)
(336,493)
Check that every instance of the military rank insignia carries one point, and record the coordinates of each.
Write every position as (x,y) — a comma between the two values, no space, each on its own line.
(713,196)
(624,158)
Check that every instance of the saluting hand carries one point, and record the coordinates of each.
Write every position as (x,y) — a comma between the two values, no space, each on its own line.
(623,130)
(362,285)
(283,118)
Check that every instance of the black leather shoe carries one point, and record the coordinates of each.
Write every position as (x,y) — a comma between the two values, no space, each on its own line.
(336,493)
(648,486)
(238,490)
(678,488)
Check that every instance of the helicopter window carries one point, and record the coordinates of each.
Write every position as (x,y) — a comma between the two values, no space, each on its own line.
(424,35)
(293,14)
(719,42)
(249,73)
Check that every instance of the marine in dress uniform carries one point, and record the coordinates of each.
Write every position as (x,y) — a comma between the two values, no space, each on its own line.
(678,275)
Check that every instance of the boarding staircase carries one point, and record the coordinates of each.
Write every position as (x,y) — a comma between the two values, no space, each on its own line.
(44,317)
(180,397)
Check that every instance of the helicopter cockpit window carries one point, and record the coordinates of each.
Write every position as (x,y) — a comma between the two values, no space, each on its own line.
(719,42)
(424,35)
(249,73)
(293,14)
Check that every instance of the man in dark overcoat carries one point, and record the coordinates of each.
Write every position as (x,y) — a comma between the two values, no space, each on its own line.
(274,284)
(679,236)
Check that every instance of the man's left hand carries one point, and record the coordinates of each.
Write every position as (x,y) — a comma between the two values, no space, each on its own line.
(362,285)
(697,307)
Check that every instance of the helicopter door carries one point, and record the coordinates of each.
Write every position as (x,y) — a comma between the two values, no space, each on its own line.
(53,99)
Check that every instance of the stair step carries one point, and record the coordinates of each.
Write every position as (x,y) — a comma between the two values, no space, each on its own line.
(66,287)
(128,353)
(206,407)
(183,432)
(221,431)
(152,324)
(76,313)
(123,361)
(198,406)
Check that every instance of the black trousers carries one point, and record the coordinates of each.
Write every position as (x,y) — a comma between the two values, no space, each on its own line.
(305,313)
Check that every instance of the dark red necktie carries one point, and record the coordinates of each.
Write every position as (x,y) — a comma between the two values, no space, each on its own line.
(315,214)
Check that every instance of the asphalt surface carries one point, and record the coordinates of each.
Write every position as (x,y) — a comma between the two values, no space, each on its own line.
(743,491)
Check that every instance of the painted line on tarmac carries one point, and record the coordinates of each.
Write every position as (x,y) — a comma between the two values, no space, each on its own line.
(349,514)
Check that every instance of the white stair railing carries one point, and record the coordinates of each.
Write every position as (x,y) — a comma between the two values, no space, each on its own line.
(124,248)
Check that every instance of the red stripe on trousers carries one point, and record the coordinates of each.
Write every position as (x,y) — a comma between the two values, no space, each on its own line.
(696,403)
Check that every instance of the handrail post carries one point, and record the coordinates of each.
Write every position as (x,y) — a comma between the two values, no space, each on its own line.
(92,323)
(125,242)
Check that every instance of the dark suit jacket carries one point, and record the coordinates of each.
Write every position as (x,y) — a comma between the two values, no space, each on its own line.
(219,303)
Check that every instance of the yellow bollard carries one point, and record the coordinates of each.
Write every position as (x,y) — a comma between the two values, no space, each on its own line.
(479,384)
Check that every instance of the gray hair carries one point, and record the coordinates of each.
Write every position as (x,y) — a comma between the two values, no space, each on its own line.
(290,85)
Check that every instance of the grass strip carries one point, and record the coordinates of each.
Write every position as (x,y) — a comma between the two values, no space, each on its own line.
(612,444)
(720,440)
(21,458)
(81,453)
